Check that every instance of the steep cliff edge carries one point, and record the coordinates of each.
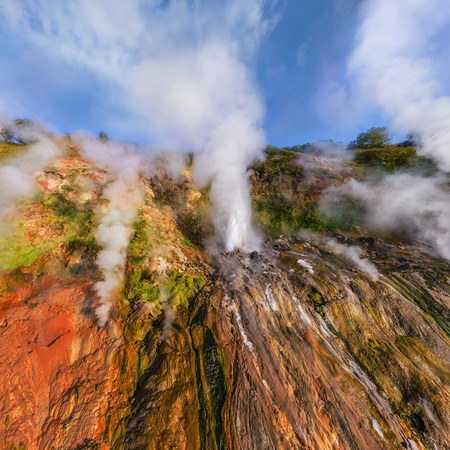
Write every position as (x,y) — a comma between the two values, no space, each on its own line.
(291,347)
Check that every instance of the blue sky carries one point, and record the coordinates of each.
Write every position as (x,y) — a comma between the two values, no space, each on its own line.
(298,63)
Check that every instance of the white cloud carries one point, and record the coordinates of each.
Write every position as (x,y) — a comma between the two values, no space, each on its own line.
(396,65)
(180,69)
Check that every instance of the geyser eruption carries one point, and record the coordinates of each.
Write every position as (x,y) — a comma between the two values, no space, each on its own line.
(207,102)
(179,71)
(124,198)
(397,63)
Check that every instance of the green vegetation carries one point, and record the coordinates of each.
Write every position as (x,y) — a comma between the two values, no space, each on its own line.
(373,150)
(73,223)
(344,215)
(182,289)
(279,204)
(389,158)
(103,136)
(59,222)
(145,284)
(16,251)
(375,137)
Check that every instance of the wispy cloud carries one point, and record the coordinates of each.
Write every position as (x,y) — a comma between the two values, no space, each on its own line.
(397,65)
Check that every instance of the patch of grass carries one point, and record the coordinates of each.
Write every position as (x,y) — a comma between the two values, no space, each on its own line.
(388,158)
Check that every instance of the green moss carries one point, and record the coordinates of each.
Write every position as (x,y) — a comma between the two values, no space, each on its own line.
(142,284)
(315,298)
(187,244)
(71,225)
(182,288)
(78,242)
(118,436)
(16,251)
(138,248)
(19,446)
(70,219)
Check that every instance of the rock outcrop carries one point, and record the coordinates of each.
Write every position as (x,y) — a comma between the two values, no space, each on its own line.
(290,347)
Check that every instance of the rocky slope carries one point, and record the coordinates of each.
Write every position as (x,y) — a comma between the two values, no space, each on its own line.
(291,347)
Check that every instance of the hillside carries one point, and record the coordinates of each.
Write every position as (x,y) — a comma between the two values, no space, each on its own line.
(330,336)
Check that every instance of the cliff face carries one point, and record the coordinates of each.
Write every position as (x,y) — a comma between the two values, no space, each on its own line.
(279,356)
(291,347)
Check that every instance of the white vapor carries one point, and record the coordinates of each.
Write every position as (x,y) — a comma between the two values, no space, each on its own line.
(19,174)
(206,101)
(124,198)
(399,66)
(404,203)
(181,70)
(354,255)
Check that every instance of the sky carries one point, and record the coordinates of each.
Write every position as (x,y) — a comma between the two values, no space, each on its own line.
(83,64)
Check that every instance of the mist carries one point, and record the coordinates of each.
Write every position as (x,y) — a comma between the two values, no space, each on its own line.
(124,197)
(353,254)
(18,176)
(404,204)
(399,65)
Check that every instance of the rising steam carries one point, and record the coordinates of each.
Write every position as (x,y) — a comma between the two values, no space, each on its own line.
(412,204)
(181,72)
(124,198)
(18,176)
(354,255)
(398,65)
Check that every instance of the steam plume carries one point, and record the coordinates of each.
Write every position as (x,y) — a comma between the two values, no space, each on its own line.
(397,64)
(18,175)
(114,232)
(412,203)
(181,71)
(206,102)
(354,255)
